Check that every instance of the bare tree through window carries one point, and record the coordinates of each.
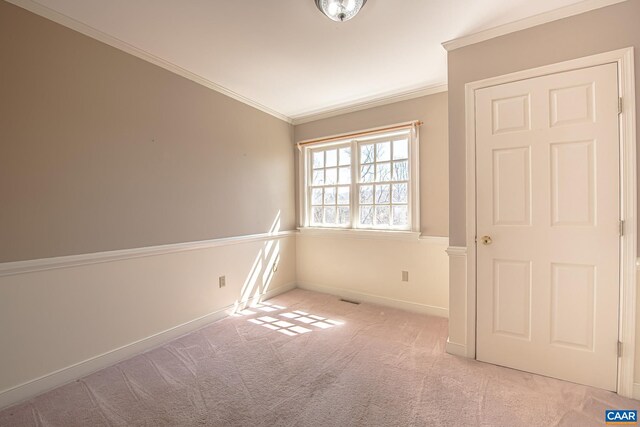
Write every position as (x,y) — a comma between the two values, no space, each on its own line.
(361,184)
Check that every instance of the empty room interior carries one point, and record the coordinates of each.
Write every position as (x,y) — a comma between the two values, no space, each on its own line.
(319,213)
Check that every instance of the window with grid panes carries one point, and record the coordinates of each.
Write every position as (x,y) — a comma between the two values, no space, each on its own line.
(363,184)
(383,185)
(331,186)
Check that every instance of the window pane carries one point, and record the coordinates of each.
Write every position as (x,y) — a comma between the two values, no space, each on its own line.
(366,153)
(400,215)
(400,149)
(330,214)
(383,172)
(366,194)
(330,196)
(344,175)
(344,215)
(383,151)
(331,176)
(318,159)
(382,194)
(366,215)
(382,186)
(331,159)
(382,215)
(366,173)
(343,195)
(345,156)
(318,177)
(316,196)
(316,217)
(399,193)
(401,171)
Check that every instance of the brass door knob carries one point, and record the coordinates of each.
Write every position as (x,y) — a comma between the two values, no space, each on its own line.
(486,240)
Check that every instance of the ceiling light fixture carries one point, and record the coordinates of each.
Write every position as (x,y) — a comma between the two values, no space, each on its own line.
(340,10)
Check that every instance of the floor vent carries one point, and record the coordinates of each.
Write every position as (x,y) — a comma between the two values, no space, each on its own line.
(349,301)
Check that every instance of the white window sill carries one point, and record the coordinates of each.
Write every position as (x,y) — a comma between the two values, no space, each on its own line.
(361,233)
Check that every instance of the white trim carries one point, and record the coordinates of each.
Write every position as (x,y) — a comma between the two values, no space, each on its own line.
(414,184)
(32,265)
(353,142)
(351,233)
(366,103)
(532,21)
(339,138)
(335,110)
(96,34)
(358,233)
(63,376)
(375,299)
(636,391)
(627,333)
(303,187)
(456,349)
(458,341)
(624,59)
(457,251)
(435,240)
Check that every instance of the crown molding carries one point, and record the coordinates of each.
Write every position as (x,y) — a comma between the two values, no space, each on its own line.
(87,30)
(347,107)
(335,110)
(366,103)
(523,24)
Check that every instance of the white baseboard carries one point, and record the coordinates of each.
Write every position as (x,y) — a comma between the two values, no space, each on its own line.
(636,391)
(71,373)
(456,349)
(374,299)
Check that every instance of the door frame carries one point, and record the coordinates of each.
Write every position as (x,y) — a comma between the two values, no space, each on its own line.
(627,126)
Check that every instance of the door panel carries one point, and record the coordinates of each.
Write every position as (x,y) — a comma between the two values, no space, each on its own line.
(512,298)
(573,183)
(547,165)
(511,186)
(572,305)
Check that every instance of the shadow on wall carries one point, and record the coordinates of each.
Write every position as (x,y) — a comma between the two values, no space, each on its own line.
(264,268)
(257,284)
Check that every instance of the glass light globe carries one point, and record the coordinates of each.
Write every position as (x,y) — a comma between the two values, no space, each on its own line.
(340,10)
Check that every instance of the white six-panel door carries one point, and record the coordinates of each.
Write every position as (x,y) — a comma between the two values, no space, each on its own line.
(547,176)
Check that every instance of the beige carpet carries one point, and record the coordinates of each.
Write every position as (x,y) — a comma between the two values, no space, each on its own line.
(308,359)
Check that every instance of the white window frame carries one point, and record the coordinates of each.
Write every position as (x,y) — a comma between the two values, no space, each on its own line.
(305,169)
(309,179)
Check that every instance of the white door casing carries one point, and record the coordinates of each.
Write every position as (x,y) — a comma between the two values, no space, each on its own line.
(462,314)
(548,195)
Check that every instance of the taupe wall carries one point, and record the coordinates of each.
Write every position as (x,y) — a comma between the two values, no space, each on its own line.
(432,110)
(100,150)
(598,31)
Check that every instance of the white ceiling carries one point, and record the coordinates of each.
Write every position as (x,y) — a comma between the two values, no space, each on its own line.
(286,56)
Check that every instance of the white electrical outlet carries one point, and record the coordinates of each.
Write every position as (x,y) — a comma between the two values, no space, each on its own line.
(405,276)
(222,281)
